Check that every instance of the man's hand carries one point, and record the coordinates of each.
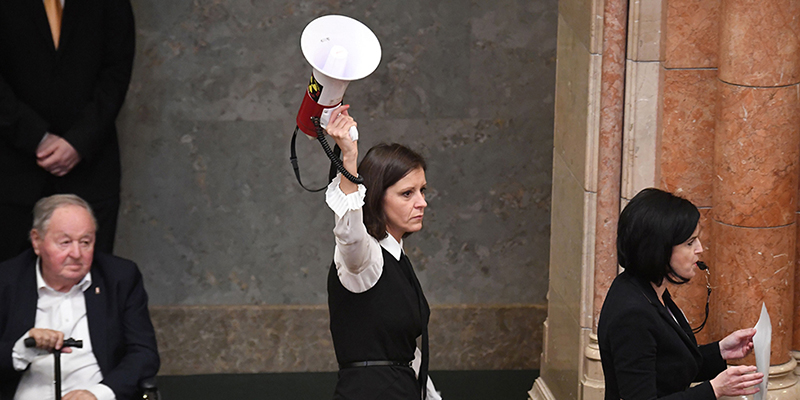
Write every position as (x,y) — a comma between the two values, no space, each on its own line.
(48,339)
(79,395)
(56,155)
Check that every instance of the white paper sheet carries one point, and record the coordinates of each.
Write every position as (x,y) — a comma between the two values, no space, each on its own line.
(762,342)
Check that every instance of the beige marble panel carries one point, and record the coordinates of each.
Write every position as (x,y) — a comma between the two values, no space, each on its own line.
(588,310)
(756,154)
(644,83)
(577,106)
(255,339)
(647,23)
(585,17)
(540,390)
(479,337)
(592,379)
(571,240)
(760,42)
(561,371)
(754,266)
(796,355)
(692,33)
(687,135)
(242,339)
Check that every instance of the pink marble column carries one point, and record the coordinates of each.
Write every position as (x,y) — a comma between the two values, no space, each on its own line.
(687,152)
(756,155)
(612,97)
(796,339)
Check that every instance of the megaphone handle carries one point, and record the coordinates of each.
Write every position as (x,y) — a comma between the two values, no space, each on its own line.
(326,116)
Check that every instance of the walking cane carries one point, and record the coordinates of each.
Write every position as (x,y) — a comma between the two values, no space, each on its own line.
(31,342)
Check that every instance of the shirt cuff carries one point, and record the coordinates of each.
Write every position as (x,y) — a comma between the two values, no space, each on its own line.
(22,356)
(341,203)
(433,394)
(102,392)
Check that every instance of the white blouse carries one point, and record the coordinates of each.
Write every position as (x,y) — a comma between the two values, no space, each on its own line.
(358,256)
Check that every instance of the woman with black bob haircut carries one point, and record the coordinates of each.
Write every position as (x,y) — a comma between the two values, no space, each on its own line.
(649,230)
(647,348)
(377,308)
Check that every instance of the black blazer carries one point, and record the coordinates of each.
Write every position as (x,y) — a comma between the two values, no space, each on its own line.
(123,338)
(75,92)
(645,353)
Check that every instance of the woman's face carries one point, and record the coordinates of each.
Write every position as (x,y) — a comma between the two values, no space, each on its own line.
(404,204)
(685,255)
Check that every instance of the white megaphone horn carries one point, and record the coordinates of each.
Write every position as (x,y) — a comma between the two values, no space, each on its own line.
(340,49)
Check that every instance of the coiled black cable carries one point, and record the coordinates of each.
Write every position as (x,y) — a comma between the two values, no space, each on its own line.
(334,159)
(704,267)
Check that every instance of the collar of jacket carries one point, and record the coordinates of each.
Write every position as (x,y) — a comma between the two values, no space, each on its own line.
(682,328)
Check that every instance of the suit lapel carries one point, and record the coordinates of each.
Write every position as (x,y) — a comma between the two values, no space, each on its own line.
(28,297)
(684,324)
(35,9)
(73,10)
(95,312)
(651,296)
(688,338)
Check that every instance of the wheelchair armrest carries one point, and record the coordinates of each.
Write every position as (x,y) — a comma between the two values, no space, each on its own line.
(148,383)
(149,388)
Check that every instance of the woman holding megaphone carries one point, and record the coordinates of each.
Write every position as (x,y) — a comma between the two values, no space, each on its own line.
(377,308)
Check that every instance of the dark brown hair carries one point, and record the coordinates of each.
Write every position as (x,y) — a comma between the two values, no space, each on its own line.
(382,167)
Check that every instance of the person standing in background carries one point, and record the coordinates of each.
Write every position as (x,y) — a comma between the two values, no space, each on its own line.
(65,67)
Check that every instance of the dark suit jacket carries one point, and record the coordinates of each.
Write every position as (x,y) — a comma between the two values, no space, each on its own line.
(645,353)
(123,338)
(75,92)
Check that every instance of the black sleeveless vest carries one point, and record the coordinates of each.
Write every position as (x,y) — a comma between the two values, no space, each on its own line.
(379,324)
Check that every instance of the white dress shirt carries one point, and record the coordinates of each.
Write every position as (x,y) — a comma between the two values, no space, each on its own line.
(64,312)
(358,256)
(62,3)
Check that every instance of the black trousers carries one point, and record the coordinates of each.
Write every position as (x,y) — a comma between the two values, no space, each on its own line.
(16,222)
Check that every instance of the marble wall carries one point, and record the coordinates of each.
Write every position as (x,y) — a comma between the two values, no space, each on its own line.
(731,138)
(686,156)
(253,339)
(575,180)
(213,215)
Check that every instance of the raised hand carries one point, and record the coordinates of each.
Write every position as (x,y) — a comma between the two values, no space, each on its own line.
(339,129)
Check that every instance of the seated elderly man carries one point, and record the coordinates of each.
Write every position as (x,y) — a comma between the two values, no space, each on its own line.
(62,289)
